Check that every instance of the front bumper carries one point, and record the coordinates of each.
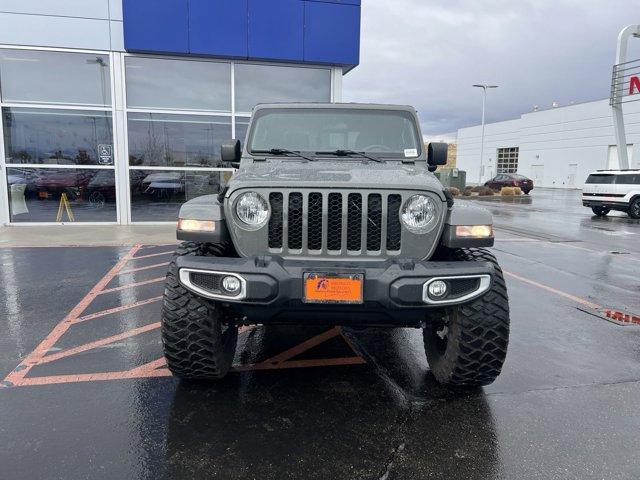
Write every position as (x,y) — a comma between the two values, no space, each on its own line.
(394,291)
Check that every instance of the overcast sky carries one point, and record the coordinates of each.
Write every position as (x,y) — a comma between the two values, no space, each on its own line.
(428,53)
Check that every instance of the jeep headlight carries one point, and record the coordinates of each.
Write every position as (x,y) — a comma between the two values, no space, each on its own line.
(419,214)
(252,209)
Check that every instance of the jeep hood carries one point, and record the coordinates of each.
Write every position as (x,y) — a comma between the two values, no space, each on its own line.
(392,175)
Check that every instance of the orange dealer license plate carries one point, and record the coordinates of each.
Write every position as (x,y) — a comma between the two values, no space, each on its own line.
(333,288)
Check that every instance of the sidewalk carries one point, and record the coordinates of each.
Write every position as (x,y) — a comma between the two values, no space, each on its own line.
(86,235)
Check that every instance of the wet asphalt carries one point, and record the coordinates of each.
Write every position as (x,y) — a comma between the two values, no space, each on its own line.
(566,405)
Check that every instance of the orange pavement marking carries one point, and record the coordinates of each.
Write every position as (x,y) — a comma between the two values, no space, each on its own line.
(147,267)
(573,298)
(131,285)
(98,343)
(17,376)
(283,360)
(121,308)
(149,255)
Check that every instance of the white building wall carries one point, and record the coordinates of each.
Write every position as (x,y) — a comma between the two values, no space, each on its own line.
(558,147)
(82,24)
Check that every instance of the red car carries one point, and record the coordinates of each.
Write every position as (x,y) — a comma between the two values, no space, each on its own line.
(510,180)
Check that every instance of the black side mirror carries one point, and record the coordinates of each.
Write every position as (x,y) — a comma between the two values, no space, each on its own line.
(231,153)
(436,155)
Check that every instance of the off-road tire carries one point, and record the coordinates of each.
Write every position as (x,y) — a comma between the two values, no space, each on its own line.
(634,208)
(477,333)
(198,337)
(600,211)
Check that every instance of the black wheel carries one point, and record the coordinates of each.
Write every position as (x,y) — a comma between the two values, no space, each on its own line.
(526,192)
(198,335)
(634,208)
(467,345)
(600,211)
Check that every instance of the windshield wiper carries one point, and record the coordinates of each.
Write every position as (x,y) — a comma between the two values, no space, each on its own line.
(351,153)
(285,152)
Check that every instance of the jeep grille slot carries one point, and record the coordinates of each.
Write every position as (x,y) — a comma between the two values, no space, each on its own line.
(275,225)
(294,217)
(354,222)
(374,222)
(394,229)
(314,220)
(335,223)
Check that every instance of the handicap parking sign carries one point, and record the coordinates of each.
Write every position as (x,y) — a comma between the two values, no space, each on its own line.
(105,154)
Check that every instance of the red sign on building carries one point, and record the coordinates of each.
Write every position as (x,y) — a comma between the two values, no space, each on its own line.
(634,85)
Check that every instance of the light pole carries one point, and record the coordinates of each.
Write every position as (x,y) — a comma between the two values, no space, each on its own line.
(484,88)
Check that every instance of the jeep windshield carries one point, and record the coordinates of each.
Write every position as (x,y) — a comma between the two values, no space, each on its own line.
(336,133)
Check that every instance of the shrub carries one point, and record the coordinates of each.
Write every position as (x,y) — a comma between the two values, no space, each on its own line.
(507,191)
(485,191)
(467,192)
(477,188)
(517,190)
(454,191)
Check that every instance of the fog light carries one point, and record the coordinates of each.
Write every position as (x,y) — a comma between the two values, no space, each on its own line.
(437,289)
(231,284)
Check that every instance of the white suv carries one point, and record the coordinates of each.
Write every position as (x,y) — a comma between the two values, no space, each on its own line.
(607,190)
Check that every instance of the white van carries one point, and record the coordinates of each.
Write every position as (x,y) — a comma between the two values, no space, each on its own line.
(607,190)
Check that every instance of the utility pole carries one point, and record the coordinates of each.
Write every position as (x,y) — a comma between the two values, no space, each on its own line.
(484,88)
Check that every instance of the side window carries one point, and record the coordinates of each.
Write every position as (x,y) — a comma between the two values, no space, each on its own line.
(628,179)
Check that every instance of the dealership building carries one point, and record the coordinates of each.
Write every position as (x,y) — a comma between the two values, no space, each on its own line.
(557,148)
(113,111)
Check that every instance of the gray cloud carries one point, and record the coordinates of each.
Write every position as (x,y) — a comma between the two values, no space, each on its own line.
(428,53)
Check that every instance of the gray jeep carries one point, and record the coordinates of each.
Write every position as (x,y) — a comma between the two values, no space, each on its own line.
(334,217)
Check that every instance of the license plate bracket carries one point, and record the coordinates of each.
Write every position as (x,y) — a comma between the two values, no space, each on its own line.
(333,288)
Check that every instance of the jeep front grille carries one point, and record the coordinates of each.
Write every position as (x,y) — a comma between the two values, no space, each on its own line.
(334,222)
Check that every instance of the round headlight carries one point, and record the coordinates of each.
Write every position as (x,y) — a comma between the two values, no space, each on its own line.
(419,213)
(252,209)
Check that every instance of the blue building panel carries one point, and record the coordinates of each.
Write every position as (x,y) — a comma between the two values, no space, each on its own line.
(218,27)
(276,29)
(156,25)
(301,31)
(332,33)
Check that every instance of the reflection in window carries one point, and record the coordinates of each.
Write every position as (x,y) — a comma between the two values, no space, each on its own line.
(266,83)
(242,125)
(178,84)
(86,195)
(57,137)
(176,140)
(33,76)
(156,195)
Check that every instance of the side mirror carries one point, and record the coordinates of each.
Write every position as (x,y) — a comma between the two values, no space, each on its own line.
(436,155)
(231,153)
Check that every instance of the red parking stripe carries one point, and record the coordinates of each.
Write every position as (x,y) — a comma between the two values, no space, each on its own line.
(17,376)
(121,308)
(98,343)
(132,285)
(152,255)
(139,269)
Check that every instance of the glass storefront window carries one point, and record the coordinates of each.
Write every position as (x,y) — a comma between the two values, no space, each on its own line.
(178,84)
(61,195)
(268,83)
(242,125)
(57,137)
(31,76)
(176,140)
(156,195)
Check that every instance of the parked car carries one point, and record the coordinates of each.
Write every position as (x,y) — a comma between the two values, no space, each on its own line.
(510,180)
(607,190)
